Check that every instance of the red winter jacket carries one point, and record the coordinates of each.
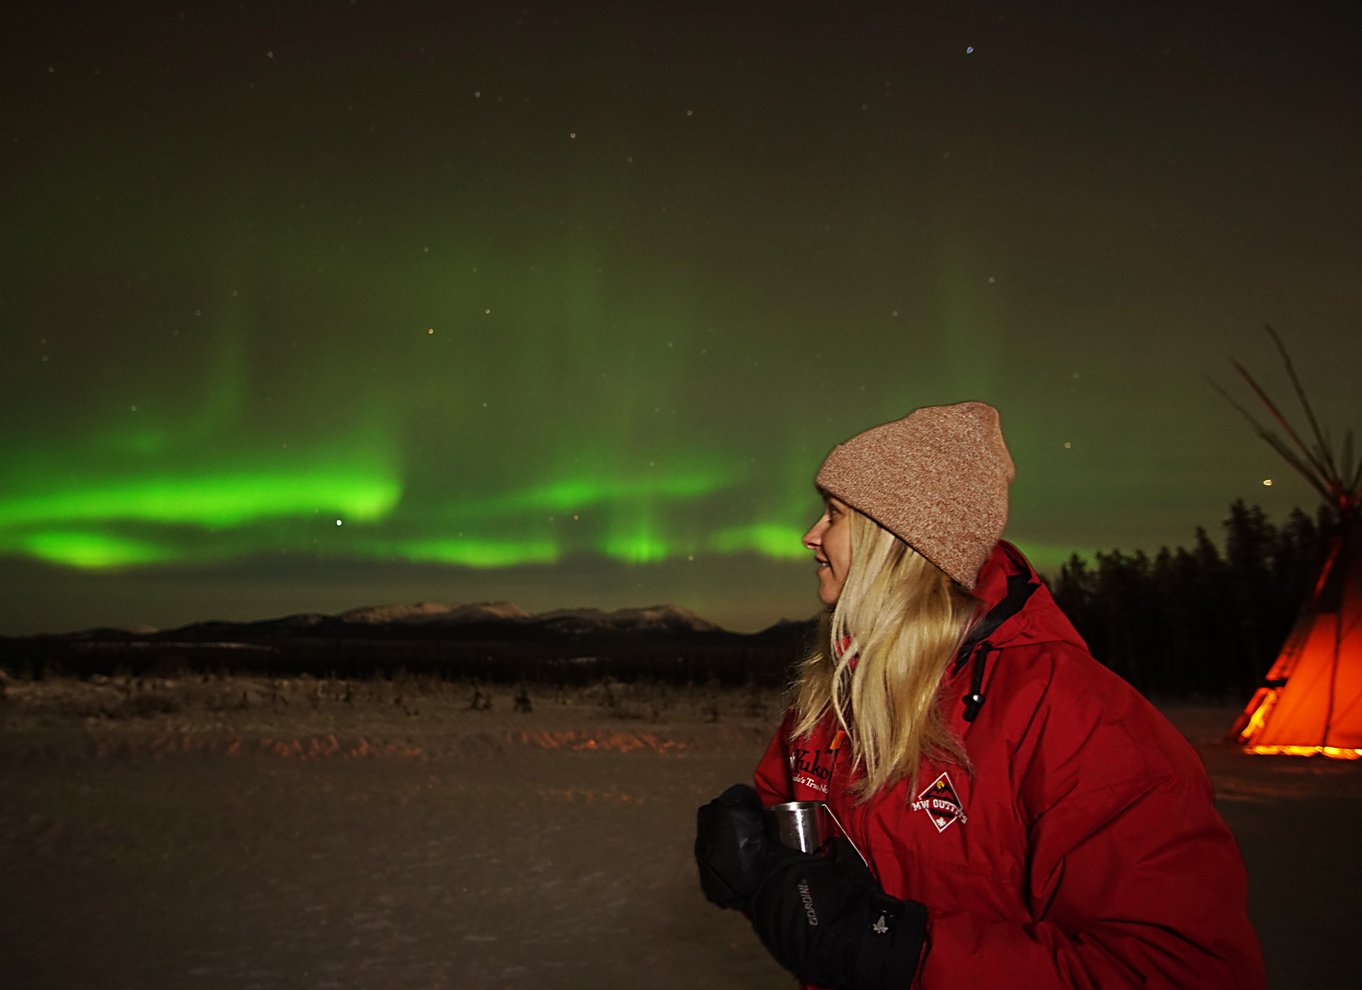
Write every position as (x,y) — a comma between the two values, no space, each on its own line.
(1083,850)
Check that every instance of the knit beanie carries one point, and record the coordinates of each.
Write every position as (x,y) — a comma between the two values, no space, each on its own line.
(937,479)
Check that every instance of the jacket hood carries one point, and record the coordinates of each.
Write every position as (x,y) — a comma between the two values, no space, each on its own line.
(1016,609)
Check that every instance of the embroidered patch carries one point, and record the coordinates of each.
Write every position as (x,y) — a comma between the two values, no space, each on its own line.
(941,803)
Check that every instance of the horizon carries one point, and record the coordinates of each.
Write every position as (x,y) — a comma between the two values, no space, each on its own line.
(330,602)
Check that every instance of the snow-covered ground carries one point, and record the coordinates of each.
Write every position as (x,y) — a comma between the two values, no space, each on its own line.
(306,834)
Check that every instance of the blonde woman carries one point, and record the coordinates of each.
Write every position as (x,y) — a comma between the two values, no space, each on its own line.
(1026,818)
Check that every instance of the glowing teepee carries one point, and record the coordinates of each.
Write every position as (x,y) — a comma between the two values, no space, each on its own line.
(1311,701)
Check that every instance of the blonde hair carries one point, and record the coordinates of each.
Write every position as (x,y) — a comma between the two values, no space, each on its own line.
(898,623)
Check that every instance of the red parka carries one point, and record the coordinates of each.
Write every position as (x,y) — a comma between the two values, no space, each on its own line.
(1081,849)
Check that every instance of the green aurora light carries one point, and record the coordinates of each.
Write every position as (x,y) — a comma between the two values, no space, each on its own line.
(214,515)
(570,305)
(90,550)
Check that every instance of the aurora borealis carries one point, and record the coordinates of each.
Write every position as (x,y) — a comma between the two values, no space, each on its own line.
(320,305)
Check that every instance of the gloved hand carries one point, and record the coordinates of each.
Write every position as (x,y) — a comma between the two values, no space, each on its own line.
(827,921)
(730,847)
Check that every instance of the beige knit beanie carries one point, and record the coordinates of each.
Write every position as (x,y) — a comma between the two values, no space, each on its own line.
(937,479)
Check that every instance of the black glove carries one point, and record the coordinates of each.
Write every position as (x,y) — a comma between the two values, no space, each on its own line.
(827,921)
(730,847)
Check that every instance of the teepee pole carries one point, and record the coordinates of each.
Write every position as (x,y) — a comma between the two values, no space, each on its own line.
(1309,471)
(1322,446)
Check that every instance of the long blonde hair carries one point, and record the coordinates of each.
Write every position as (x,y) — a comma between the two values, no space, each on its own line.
(897,624)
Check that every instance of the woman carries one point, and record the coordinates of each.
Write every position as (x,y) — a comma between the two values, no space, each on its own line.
(1027,819)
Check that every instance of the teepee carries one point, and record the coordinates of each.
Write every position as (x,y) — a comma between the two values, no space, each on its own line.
(1311,701)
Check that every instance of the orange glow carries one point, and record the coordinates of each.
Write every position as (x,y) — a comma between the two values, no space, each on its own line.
(616,742)
(1261,707)
(1333,752)
(360,747)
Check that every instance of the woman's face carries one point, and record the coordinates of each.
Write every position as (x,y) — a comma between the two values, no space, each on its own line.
(830,541)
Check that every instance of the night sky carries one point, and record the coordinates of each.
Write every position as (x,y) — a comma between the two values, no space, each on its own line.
(310,306)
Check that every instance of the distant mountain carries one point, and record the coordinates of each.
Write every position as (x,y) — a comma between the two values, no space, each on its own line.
(655,619)
(436,612)
(435,620)
(432,620)
(491,640)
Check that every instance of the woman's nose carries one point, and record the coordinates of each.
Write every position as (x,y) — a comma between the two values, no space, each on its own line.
(814,537)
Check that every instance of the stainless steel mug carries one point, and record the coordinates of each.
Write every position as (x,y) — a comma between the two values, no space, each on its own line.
(801,825)
(806,826)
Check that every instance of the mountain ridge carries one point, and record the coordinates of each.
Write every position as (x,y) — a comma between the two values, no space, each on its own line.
(431,619)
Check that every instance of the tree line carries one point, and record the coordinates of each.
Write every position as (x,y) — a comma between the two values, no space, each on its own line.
(1195,622)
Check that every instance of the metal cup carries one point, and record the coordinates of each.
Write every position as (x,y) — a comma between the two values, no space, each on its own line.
(800,825)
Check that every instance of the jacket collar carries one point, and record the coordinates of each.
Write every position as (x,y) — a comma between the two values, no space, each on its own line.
(1006,583)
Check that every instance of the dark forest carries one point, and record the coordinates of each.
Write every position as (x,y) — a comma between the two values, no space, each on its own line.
(1196,622)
